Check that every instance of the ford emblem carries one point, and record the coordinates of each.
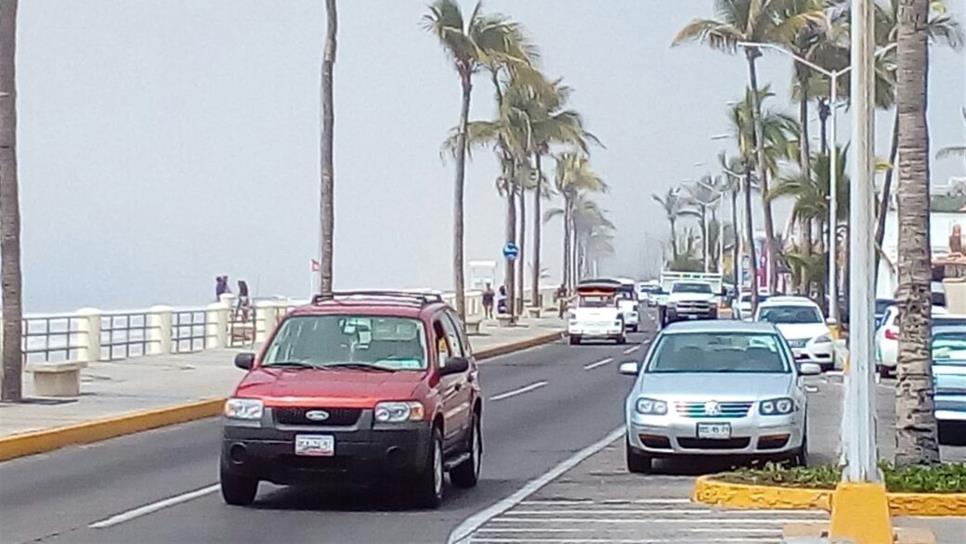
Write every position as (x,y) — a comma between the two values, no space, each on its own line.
(316,415)
(712,408)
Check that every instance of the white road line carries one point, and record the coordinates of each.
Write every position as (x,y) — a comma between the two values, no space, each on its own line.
(474,522)
(548,530)
(520,391)
(712,514)
(631,349)
(609,502)
(602,362)
(507,540)
(153,507)
(656,521)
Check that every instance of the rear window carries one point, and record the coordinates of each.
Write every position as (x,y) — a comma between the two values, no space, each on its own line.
(790,315)
(596,301)
(719,352)
(881,305)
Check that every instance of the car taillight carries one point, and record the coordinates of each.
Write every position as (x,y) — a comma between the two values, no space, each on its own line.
(892,333)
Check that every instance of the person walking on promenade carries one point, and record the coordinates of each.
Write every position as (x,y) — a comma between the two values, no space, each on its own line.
(244,303)
(501,306)
(221,287)
(561,296)
(488,296)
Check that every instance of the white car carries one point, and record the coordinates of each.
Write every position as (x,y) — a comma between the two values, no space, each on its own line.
(887,336)
(595,314)
(741,307)
(629,304)
(801,323)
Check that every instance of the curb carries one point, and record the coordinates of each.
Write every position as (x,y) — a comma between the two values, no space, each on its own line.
(30,443)
(716,493)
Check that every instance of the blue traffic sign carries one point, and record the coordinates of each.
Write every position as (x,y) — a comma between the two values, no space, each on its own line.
(511,251)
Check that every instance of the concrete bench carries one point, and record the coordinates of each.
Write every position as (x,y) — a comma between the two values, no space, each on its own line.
(472,325)
(57,379)
(534,312)
(504,320)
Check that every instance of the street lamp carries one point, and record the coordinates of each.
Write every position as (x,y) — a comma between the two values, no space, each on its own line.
(713,189)
(833,76)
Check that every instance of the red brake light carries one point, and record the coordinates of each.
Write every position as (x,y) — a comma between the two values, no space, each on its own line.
(892,333)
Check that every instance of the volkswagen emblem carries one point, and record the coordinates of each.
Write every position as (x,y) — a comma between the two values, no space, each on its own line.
(316,415)
(712,408)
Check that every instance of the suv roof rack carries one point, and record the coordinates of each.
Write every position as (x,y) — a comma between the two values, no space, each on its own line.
(423,298)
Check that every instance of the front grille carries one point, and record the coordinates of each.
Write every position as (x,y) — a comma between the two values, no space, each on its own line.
(713,444)
(338,417)
(726,409)
(693,306)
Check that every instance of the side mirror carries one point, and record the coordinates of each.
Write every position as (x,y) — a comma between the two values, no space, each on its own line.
(245,361)
(809,369)
(629,368)
(456,365)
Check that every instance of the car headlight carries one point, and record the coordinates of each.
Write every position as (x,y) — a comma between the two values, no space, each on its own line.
(397,412)
(776,407)
(823,339)
(248,409)
(651,407)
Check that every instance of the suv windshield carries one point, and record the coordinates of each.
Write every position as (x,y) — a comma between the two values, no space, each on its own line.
(949,349)
(790,314)
(392,343)
(718,352)
(704,288)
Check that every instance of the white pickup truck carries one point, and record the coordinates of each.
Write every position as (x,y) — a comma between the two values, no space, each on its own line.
(689,295)
(596,313)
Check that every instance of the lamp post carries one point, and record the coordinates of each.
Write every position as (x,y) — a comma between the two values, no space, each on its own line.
(833,76)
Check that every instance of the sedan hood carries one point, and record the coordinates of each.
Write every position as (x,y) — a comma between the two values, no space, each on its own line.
(716,386)
(338,388)
(801,331)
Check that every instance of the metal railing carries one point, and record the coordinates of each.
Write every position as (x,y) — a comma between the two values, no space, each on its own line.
(188,333)
(51,338)
(124,335)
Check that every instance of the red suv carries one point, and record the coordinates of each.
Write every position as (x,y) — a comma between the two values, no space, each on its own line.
(364,385)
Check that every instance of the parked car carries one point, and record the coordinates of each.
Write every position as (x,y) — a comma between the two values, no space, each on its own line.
(367,387)
(801,323)
(887,336)
(881,305)
(949,375)
(741,307)
(716,388)
(595,314)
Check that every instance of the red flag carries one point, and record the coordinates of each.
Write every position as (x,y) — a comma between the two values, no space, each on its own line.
(316,265)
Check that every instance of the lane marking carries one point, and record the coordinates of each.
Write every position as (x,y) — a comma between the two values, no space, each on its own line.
(548,530)
(520,391)
(579,502)
(602,362)
(657,521)
(631,349)
(462,532)
(724,514)
(510,540)
(153,507)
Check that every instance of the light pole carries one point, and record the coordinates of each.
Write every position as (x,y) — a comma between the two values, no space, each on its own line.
(833,75)
(714,190)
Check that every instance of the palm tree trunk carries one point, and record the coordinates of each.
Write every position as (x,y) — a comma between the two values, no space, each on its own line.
(886,196)
(750,233)
(522,239)
(916,435)
(10,274)
(459,277)
(770,245)
(511,231)
(535,286)
(804,162)
(565,269)
(674,239)
(823,113)
(327,204)
(736,250)
(575,252)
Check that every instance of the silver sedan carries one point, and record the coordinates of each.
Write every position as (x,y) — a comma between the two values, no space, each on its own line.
(724,388)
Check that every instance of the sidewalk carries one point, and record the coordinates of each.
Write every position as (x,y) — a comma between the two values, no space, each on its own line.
(116,389)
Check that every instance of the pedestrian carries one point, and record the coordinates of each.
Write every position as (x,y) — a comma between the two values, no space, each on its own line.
(488,296)
(561,296)
(501,306)
(956,240)
(221,286)
(244,303)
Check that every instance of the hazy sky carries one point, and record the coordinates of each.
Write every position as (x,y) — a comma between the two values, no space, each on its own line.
(164,142)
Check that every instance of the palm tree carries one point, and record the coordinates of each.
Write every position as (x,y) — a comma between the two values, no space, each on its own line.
(753,21)
(328,165)
(916,435)
(731,167)
(481,41)
(672,204)
(704,196)
(10,208)
(573,178)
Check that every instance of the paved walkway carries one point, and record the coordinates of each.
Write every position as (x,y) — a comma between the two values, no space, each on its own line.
(111,389)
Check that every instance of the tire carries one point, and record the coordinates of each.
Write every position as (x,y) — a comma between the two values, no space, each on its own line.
(800,457)
(574,340)
(884,371)
(467,474)
(428,488)
(635,328)
(236,489)
(622,339)
(637,463)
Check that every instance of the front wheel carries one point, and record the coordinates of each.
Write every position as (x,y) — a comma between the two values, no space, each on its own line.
(637,463)
(238,490)
(428,489)
(467,474)
(800,457)
(574,340)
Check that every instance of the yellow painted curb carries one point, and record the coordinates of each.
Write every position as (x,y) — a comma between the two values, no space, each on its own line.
(860,513)
(717,493)
(707,490)
(19,445)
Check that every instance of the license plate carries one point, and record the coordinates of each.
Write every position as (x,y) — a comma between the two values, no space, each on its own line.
(315,445)
(714,430)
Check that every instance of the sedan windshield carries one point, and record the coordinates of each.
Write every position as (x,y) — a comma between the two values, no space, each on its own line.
(390,343)
(949,349)
(790,314)
(731,352)
(704,288)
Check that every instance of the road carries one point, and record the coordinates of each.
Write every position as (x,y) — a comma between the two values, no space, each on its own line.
(542,406)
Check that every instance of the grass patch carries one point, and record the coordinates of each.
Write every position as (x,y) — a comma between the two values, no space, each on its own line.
(943,478)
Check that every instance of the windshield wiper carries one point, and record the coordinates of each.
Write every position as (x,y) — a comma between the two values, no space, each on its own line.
(360,366)
(291,364)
